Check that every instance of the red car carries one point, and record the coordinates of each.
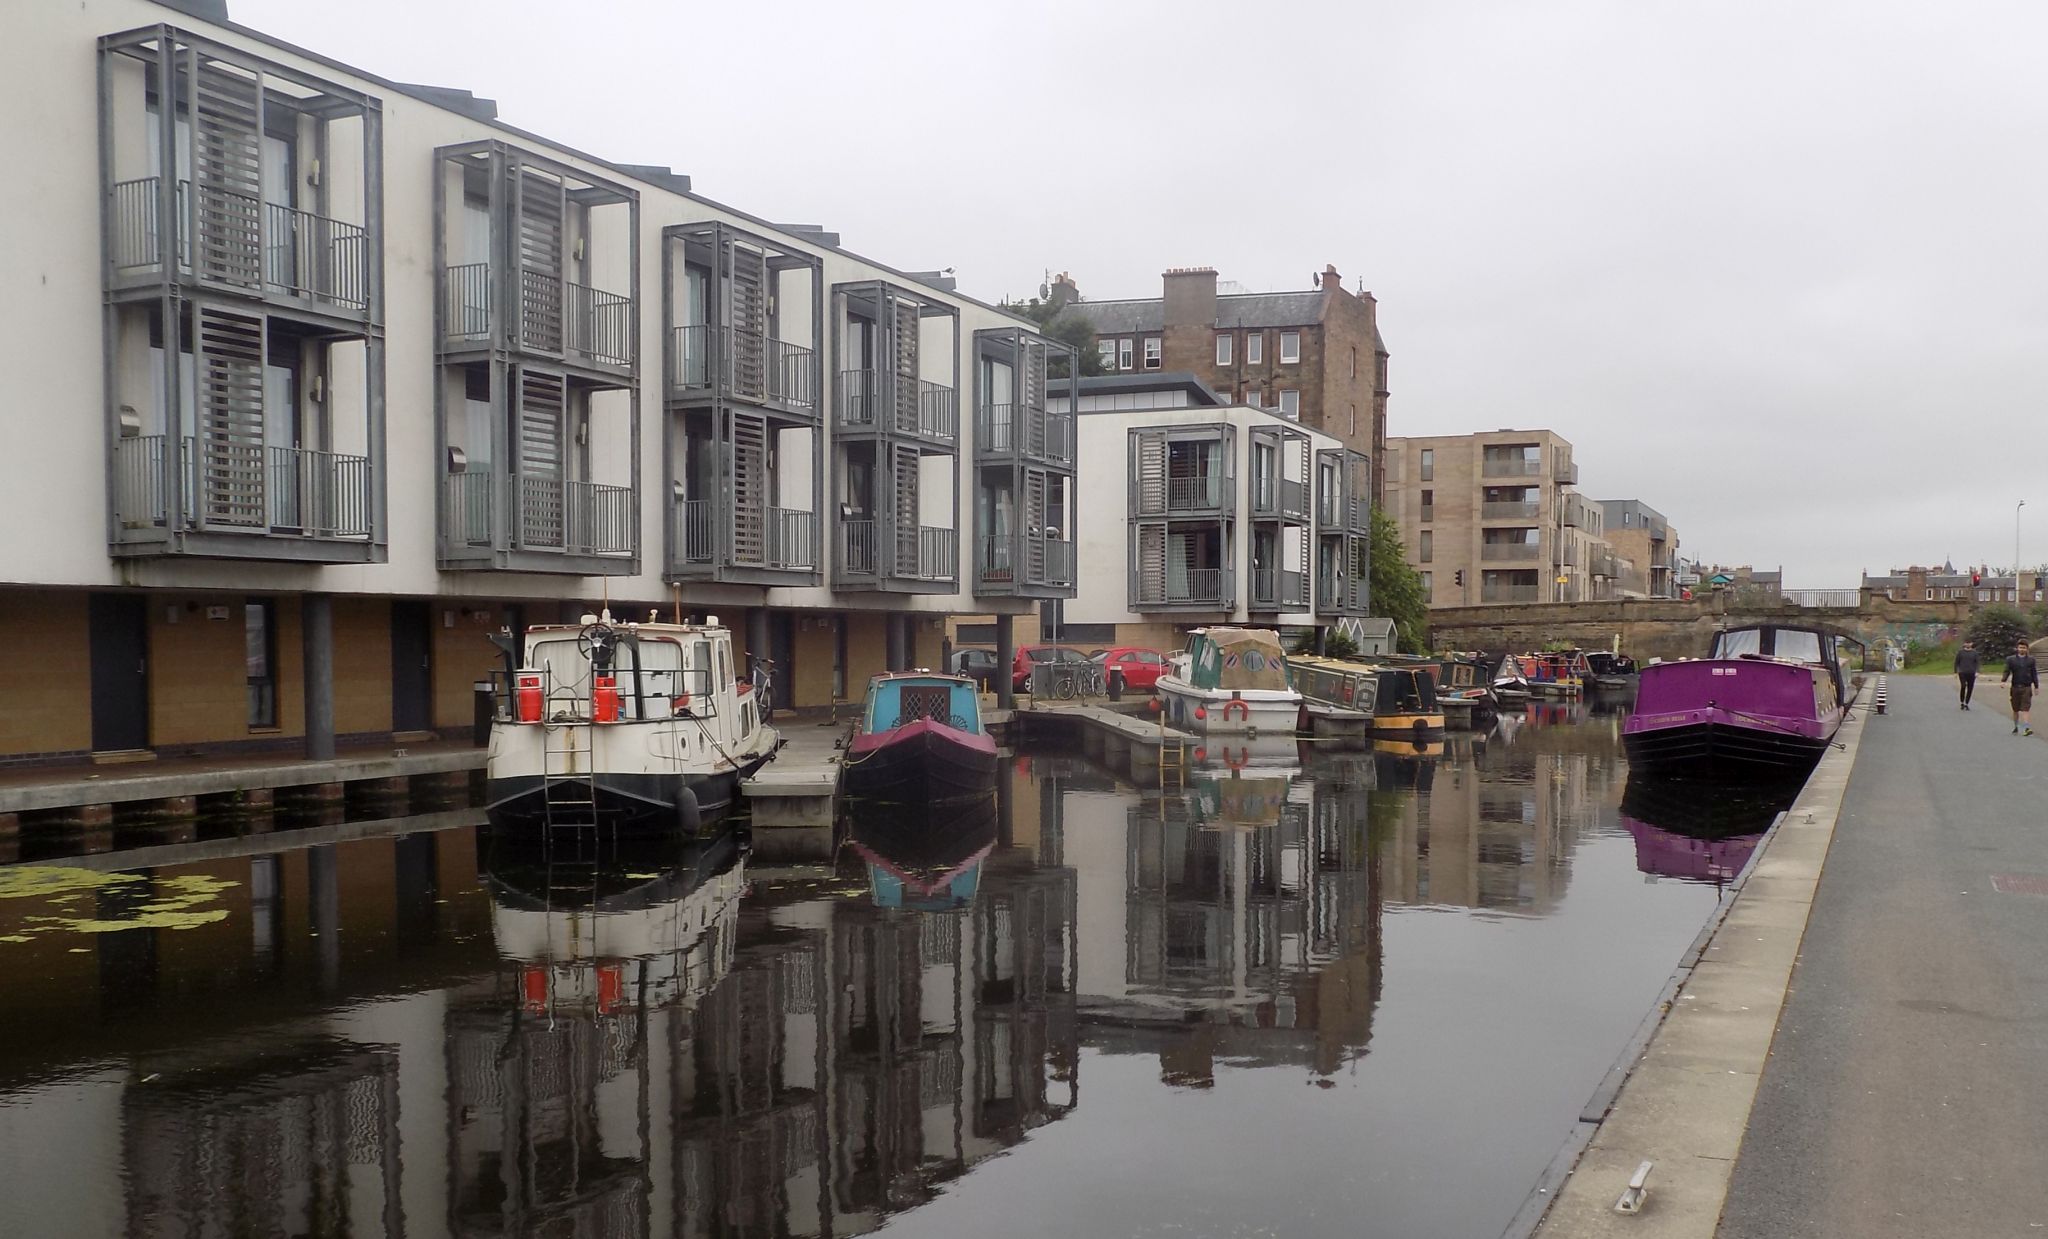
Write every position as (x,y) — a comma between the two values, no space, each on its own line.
(1029,656)
(1141,668)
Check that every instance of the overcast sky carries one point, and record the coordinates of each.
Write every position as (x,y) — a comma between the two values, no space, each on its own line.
(1776,268)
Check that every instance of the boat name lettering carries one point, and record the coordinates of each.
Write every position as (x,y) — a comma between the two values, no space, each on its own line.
(1725,670)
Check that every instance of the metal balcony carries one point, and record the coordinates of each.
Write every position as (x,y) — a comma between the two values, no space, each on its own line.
(766,538)
(1007,563)
(273,491)
(551,515)
(1195,494)
(1510,510)
(866,551)
(1185,587)
(933,416)
(1340,594)
(302,255)
(1018,430)
(1510,552)
(755,368)
(1279,498)
(555,316)
(1511,467)
(1275,589)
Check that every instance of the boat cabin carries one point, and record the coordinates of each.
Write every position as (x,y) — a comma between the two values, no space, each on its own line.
(1334,682)
(606,671)
(1234,659)
(901,698)
(1840,655)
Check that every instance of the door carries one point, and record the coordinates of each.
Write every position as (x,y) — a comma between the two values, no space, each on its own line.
(412,670)
(118,637)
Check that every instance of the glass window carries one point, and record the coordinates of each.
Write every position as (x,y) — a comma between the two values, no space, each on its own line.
(1152,354)
(1428,464)
(1354,363)
(1223,348)
(1290,347)
(1123,353)
(1798,646)
(1427,552)
(1354,419)
(1254,347)
(1428,585)
(259,638)
(1255,396)
(1106,349)
(1290,405)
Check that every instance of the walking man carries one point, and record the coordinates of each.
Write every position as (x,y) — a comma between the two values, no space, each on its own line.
(2025,677)
(1966,670)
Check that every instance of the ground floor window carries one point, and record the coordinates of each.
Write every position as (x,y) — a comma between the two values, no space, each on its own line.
(259,635)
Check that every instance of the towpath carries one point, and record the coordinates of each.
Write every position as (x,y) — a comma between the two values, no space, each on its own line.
(1906,1093)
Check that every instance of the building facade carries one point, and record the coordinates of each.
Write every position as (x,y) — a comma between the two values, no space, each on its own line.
(1496,518)
(326,378)
(1641,536)
(1316,358)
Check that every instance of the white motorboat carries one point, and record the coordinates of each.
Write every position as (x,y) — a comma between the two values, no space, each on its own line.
(1230,681)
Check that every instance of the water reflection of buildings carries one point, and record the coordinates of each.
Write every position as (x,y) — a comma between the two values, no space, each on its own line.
(1245,910)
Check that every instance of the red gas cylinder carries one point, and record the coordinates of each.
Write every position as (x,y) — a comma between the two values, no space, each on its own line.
(604,699)
(528,697)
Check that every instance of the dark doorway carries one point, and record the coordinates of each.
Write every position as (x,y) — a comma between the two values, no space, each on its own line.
(412,667)
(782,648)
(119,641)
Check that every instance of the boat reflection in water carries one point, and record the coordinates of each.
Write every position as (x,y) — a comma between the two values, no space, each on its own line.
(923,857)
(1699,831)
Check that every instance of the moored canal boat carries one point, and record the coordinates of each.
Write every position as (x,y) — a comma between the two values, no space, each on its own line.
(1396,702)
(633,726)
(1766,699)
(920,739)
(921,856)
(1230,681)
(1610,671)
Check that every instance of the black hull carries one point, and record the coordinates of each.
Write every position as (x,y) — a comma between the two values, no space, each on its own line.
(920,771)
(1719,750)
(633,802)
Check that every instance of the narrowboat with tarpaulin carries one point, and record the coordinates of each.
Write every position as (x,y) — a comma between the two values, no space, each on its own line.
(631,726)
(1399,701)
(921,856)
(1767,699)
(920,738)
(1229,681)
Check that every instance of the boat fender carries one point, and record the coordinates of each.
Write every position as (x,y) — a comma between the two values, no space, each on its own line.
(1421,729)
(1244,711)
(688,815)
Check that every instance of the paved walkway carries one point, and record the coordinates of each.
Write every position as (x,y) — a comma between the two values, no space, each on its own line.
(1907,1088)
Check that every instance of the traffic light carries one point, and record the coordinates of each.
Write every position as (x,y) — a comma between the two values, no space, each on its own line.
(1459,576)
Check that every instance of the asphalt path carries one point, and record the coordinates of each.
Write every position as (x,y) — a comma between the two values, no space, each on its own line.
(1906,1092)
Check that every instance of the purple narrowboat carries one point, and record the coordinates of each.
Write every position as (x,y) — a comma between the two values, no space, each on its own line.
(1766,699)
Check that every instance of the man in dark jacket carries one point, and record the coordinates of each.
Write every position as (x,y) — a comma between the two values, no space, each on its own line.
(2025,676)
(1966,670)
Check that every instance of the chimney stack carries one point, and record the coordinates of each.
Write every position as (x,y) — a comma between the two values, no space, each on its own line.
(1332,282)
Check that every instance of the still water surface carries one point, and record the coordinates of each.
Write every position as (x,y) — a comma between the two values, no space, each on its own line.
(1333,993)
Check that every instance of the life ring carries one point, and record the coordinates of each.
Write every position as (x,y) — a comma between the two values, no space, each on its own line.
(1244,711)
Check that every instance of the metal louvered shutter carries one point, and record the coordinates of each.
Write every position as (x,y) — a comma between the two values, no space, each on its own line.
(903,481)
(227,176)
(228,352)
(540,262)
(1148,472)
(543,400)
(747,322)
(749,488)
(903,346)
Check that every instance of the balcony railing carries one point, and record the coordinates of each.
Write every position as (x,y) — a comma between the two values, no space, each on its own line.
(1510,510)
(1195,494)
(788,539)
(1184,587)
(936,414)
(936,556)
(1023,560)
(302,254)
(1511,467)
(756,368)
(1276,587)
(1510,552)
(1279,497)
(301,491)
(859,548)
(1563,470)
(466,299)
(696,537)
(1337,593)
(1510,593)
(546,514)
(599,325)
(1010,429)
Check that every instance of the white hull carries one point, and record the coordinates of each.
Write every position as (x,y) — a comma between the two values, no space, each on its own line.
(671,746)
(1228,712)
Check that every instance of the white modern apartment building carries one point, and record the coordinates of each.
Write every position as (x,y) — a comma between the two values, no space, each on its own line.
(1227,514)
(321,378)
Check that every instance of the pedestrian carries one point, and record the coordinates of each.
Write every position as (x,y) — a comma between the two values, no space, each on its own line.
(1966,670)
(2025,676)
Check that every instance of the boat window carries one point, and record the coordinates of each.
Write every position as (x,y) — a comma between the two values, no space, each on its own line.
(1739,641)
(1796,645)
(565,665)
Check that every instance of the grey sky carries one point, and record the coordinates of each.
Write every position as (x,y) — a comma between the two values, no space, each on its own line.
(1775,268)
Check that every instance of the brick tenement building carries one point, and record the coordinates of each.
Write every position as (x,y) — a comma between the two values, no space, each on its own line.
(1316,356)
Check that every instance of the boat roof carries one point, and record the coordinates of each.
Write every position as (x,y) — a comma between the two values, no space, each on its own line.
(654,627)
(921,674)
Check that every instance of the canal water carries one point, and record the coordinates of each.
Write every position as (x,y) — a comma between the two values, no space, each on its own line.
(1326,993)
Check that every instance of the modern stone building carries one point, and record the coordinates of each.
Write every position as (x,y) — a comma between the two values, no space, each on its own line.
(1314,357)
(1640,535)
(322,378)
(1496,517)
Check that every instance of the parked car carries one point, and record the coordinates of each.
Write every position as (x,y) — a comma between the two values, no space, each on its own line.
(1141,668)
(1029,656)
(976,665)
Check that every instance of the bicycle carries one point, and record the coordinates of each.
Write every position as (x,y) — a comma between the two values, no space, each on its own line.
(763,679)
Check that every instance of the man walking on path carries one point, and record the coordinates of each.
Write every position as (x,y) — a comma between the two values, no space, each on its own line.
(1966,670)
(2025,676)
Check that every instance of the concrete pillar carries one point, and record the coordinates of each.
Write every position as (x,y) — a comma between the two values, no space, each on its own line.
(1006,656)
(316,628)
(895,638)
(757,635)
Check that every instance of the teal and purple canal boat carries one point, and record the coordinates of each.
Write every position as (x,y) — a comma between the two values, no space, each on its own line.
(1766,700)
(920,739)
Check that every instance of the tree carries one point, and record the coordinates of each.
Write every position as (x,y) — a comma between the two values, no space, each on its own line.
(1059,322)
(1397,586)
(1998,630)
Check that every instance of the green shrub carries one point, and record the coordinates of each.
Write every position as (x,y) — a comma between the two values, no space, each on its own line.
(1998,630)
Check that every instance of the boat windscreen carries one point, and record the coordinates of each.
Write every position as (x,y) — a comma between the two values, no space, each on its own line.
(1738,641)
(1797,645)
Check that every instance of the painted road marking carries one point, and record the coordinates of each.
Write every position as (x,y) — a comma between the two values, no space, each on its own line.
(2020,883)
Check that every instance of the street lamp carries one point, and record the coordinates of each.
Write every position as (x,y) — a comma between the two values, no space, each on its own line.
(2016,551)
